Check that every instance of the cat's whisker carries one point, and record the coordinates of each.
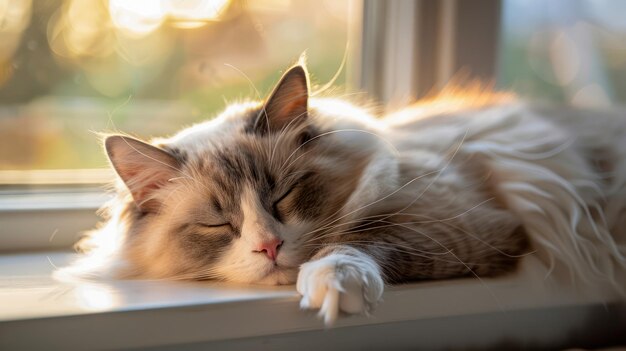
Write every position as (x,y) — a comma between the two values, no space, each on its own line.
(438,174)
(178,170)
(112,112)
(166,200)
(341,96)
(387,215)
(404,249)
(339,234)
(202,273)
(325,226)
(332,81)
(482,282)
(399,248)
(529,253)
(432,219)
(152,158)
(283,132)
(295,173)
(340,131)
(358,229)
(258,95)
(252,85)
(283,100)
(382,243)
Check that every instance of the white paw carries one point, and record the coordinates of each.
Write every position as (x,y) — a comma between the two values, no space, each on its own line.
(340,282)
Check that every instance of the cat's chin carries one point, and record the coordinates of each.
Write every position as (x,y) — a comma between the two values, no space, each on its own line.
(279,276)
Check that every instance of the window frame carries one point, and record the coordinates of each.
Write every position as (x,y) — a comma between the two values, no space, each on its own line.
(439,38)
(44,210)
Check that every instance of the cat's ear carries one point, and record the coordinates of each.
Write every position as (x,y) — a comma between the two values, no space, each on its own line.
(288,101)
(143,168)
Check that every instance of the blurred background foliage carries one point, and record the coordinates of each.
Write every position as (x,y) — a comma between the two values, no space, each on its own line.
(567,51)
(71,68)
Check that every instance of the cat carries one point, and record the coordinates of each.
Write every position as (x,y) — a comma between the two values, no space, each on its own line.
(318,192)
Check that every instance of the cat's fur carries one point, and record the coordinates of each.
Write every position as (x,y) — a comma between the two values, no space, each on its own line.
(460,185)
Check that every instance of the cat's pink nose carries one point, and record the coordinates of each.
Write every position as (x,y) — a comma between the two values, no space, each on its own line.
(270,248)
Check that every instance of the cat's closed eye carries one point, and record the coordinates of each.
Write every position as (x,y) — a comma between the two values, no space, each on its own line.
(281,206)
(225,225)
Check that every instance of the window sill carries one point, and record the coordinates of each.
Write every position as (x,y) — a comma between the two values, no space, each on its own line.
(523,308)
(47,218)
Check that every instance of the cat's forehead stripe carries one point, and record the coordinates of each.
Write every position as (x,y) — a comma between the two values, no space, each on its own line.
(237,164)
(242,165)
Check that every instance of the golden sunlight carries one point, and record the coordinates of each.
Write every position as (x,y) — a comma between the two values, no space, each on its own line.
(14,15)
(14,18)
(141,17)
(79,29)
(136,17)
(95,297)
(196,13)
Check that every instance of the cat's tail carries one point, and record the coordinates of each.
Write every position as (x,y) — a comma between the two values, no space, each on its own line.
(542,177)
(566,228)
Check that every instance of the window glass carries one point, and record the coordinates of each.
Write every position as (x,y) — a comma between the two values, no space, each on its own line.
(70,69)
(565,50)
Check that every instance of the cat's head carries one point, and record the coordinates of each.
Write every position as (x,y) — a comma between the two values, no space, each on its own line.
(241,197)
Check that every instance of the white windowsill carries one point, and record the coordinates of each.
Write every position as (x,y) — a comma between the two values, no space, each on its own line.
(47,217)
(37,312)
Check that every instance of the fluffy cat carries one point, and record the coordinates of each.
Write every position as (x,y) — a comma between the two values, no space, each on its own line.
(320,193)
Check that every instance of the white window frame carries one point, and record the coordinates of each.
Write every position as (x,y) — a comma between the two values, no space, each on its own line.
(43,210)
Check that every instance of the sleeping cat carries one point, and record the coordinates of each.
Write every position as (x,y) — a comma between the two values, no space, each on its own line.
(317,192)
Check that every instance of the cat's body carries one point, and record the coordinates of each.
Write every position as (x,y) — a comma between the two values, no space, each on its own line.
(318,192)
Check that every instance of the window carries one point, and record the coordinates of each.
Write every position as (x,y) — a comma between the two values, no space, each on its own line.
(561,51)
(72,68)
(565,51)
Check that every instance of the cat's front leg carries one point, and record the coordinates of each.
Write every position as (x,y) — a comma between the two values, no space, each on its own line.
(340,278)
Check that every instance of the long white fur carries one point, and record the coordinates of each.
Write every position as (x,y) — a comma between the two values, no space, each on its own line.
(540,173)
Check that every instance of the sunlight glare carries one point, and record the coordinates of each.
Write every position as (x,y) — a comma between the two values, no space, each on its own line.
(136,17)
(14,15)
(141,17)
(195,13)
(14,18)
(564,56)
(94,297)
(79,30)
